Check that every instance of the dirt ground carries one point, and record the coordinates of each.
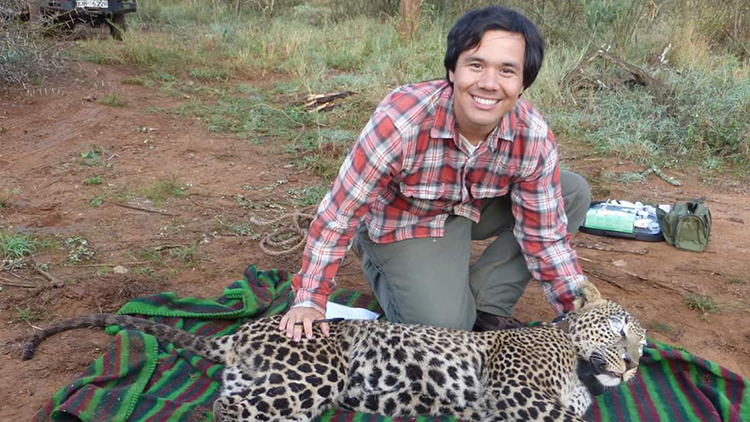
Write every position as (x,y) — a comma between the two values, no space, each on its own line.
(46,131)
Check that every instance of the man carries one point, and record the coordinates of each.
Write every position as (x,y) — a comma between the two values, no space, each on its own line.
(440,164)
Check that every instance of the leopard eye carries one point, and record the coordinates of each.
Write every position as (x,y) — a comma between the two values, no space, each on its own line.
(617,325)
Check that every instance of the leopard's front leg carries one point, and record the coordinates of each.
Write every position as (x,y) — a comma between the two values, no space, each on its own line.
(524,406)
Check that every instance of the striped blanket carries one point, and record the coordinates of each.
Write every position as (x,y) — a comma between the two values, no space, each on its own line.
(141,380)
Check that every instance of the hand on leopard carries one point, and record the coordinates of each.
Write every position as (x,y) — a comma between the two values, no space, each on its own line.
(305,317)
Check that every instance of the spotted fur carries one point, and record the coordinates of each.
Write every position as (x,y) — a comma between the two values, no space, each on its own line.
(526,374)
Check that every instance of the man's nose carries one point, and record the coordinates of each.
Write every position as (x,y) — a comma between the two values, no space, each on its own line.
(489,81)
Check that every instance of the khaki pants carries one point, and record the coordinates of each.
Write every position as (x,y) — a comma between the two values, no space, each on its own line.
(429,281)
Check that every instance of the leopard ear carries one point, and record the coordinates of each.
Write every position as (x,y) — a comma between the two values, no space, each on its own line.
(586,294)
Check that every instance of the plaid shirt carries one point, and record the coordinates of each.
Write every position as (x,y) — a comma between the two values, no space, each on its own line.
(408,172)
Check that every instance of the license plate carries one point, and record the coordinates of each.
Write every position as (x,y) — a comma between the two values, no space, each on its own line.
(101,4)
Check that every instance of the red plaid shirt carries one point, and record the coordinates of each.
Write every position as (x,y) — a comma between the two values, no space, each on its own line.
(408,172)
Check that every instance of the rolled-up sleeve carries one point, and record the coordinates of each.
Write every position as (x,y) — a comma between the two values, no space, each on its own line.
(370,165)
(541,229)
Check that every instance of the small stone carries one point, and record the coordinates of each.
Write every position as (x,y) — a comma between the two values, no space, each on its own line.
(120,270)
(620,263)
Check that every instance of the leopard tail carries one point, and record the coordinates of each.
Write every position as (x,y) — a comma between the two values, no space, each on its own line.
(211,348)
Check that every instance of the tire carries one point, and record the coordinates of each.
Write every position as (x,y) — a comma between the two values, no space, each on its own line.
(117,26)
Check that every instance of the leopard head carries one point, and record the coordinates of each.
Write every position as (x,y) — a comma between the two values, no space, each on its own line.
(606,336)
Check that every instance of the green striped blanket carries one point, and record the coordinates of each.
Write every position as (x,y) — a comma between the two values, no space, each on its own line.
(139,379)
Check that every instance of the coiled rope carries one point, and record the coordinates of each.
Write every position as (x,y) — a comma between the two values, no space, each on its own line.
(292,232)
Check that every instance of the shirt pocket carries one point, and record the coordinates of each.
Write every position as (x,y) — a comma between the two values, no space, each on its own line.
(428,191)
(487,191)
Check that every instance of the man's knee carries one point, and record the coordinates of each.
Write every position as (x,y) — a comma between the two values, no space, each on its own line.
(576,196)
(575,188)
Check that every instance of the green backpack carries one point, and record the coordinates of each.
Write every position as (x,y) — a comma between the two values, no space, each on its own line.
(687,225)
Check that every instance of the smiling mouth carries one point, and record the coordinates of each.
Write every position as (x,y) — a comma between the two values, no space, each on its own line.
(484,101)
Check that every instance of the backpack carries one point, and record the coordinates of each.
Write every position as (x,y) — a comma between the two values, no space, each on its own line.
(687,225)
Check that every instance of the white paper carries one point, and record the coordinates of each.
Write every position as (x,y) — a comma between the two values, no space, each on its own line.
(334,310)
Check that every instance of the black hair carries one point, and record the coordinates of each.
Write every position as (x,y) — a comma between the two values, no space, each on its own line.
(468,31)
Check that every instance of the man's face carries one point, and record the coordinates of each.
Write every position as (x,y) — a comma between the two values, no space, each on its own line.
(487,82)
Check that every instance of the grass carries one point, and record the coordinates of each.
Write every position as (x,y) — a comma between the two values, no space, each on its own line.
(148,254)
(16,246)
(660,327)
(165,188)
(28,314)
(114,99)
(308,196)
(702,303)
(144,270)
(156,256)
(93,180)
(245,230)
(205,60)
(323,167)
(136,80)
(236,110)
(92,155)
(737,281)
(627,178)
(185,253)
(6,194)
(209,74)
(97,201)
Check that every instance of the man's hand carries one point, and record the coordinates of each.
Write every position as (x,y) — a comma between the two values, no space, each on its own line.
(305,317)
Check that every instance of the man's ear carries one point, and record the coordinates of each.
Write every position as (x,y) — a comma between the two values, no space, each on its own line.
(450,76)
(586,295)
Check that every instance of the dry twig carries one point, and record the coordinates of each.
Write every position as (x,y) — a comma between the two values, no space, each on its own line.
(323,102)
(609,280)
(640,75)
(166,214)
(24,284)
(56,282)
(607,248)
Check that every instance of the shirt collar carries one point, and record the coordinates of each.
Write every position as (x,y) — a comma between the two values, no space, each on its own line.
(444,121)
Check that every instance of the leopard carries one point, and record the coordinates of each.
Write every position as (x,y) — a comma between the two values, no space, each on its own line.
(544,372)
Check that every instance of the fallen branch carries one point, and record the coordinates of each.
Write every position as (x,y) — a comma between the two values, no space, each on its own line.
(640,75)
(323,102)
(56,282)
(607,248)
(26,285)
(635,275)
(609,280)
(311,100)
(166,214)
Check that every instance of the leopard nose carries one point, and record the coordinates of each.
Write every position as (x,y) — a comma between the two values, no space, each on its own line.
(629,364)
